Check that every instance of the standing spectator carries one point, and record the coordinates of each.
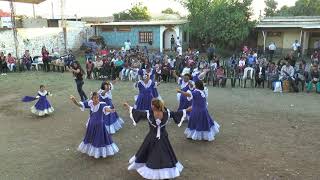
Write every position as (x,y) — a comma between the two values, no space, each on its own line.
(179,64)
(165,71)
(315,58)
(11,62)
(118,63)
(316,45)
(178,42)
(127,45)
(3,64)
(272,49)
(27,60)
(97,68)
(296,47)
(251,60)
(210,52)
(172,40)
(89,68)
(179,50)
(45,59)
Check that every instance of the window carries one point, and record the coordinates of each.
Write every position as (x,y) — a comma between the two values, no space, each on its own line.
(145,37)
(107,28)
(124,28)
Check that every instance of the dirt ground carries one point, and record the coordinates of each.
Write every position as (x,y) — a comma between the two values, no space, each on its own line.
(263,135)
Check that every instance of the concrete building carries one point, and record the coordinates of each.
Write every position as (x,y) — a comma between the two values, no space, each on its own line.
(142,33)
(283,31)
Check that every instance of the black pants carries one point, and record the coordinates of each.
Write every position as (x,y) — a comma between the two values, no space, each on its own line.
(46,65)
(82,94)
(3,68)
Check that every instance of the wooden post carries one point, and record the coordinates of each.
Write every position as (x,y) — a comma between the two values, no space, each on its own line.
(14,29)
(264,40)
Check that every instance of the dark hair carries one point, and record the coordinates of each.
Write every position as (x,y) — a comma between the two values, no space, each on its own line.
(78,66)
(189,75)
(199,85)
(103,84)
(94,94)
(41,86)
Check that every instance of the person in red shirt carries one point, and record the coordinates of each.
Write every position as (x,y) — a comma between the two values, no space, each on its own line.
(45,59)
(11,62)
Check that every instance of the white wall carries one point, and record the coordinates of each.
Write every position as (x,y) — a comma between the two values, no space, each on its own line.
(34,38)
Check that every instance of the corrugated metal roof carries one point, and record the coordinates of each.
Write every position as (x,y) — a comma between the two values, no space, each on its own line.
(27,1)
(143,23)
(290,22)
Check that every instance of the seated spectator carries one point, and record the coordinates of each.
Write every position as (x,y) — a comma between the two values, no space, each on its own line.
(27,60)
(273,74)
(314,79)
(11,62)
(97,68)
(287,73)
(118,63)
(3,64)
(301,74)
(89,67)
(203,64)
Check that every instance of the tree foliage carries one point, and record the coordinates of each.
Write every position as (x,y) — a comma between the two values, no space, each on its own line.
(271,7)
(301,8)
(226,22)
(170,11)
(137,12)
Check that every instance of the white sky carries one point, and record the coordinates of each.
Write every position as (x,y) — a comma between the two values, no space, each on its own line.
(108,7)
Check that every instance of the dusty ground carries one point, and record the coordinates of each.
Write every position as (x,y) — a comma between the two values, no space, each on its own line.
(263,135)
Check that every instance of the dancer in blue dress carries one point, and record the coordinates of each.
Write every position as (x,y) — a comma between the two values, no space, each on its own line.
(186,85)
(97,142)
(42,107)
(155,158)
(200,125)
(143,100)
(151,72)
(113,121)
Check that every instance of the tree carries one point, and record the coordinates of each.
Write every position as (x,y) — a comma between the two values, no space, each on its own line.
(301,8)
(226,22)
(137,12)
(271,7)
(170,11)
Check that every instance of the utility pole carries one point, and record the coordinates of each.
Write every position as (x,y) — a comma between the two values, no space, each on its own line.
(63,23)
(34,11)
(52,10)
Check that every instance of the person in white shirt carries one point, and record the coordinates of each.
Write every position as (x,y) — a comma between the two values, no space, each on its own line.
(296,47)
(272,49)
(127,45)
(179,50)
(178,43)
(287,73)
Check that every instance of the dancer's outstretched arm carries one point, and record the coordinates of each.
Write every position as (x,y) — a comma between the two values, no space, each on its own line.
(184,93)
(73,99)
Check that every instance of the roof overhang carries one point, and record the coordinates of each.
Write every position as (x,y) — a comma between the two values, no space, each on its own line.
(27,1)
(143,23)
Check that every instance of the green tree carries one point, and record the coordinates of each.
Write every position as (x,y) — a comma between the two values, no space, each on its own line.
(301,8)
(271,7)
(226,22)
(137,12)
(170,11)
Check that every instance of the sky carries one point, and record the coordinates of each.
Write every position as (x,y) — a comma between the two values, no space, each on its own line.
(100,8)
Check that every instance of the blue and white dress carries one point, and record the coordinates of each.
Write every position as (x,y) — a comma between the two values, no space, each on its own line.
(200,126)
(155,158)
(184,102)
(143,100)
(42,107)
(112,120)
(97,142)
(143,73)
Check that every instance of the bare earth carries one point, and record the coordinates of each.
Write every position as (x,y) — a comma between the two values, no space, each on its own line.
(263,135)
